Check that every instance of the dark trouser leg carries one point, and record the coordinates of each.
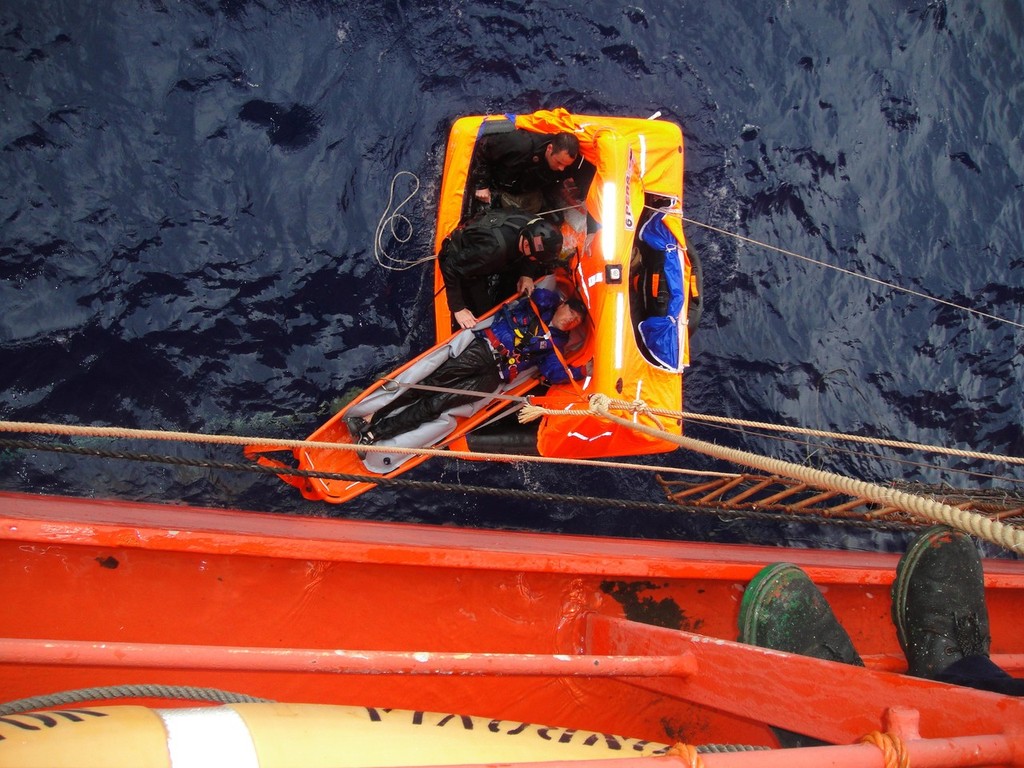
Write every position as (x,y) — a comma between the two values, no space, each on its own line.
(982,673)
(474,369)
(478,295)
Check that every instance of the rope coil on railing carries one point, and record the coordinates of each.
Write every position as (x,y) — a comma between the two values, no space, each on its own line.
(128,691)
(894,751)
(687,752)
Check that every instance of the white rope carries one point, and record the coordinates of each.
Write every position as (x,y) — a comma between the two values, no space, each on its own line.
(851,273)
(983,527)
(266,444)
(391,220)
(876,441)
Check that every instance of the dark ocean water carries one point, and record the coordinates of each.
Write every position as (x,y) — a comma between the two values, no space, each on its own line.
(191,192)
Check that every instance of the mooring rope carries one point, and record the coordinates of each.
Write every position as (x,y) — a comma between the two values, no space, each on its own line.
(850,272)
(639,406)
(815,447)
(131,691)
(983,527)
(273,444)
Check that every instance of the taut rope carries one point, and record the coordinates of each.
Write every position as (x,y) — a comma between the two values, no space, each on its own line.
(531,412)
(272,444)
(997,532)
(849,272)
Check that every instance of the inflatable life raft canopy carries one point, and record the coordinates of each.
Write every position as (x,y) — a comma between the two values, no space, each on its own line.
(631,180)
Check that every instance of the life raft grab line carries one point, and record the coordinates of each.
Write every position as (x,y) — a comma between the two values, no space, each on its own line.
(845,271)
(997,532)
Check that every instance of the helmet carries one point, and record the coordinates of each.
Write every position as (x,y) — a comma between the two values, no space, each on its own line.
(542,241)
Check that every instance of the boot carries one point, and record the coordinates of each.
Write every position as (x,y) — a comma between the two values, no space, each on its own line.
(783,610)
(938,602)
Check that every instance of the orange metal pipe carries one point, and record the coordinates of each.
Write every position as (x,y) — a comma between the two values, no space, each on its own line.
(961,752)
(834,702)
(896,662)
(153,655)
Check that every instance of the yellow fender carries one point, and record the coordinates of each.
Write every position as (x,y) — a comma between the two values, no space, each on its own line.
(278,735)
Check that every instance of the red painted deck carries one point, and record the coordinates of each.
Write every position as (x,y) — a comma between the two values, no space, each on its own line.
(620,636)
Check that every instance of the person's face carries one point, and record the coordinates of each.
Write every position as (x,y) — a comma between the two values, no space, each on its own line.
(566,318)
(558,161)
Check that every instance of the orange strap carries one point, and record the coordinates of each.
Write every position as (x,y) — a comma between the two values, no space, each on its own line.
(558,352)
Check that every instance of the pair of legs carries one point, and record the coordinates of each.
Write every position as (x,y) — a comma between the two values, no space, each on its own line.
(938,609)
(473,369)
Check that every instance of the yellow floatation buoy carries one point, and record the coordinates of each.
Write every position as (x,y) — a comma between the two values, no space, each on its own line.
(278,735)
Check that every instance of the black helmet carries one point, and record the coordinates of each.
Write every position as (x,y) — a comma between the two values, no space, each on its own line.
(543,241)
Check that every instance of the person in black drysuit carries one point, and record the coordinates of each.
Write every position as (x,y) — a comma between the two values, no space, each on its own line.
(521,168)
(510,244)
(515,340)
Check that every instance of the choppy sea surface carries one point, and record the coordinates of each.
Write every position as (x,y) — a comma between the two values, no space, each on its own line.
(191,193)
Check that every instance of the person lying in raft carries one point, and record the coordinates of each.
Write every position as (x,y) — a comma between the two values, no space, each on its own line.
(521,168)
(516,339)
(512,244)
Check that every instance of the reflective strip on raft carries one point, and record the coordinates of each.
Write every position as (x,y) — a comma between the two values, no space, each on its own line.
(208,738)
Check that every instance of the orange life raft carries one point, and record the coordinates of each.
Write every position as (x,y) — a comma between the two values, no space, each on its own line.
(630,169)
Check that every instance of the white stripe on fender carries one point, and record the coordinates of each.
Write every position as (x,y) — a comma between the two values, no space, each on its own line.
(208,737)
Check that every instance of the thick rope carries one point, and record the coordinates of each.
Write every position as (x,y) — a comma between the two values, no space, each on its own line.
(137,691)
(894,751)
(268,444)
(879,441)
(977,525)
(531,412)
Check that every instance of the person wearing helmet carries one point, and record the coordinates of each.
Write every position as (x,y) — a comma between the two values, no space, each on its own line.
(493,255)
